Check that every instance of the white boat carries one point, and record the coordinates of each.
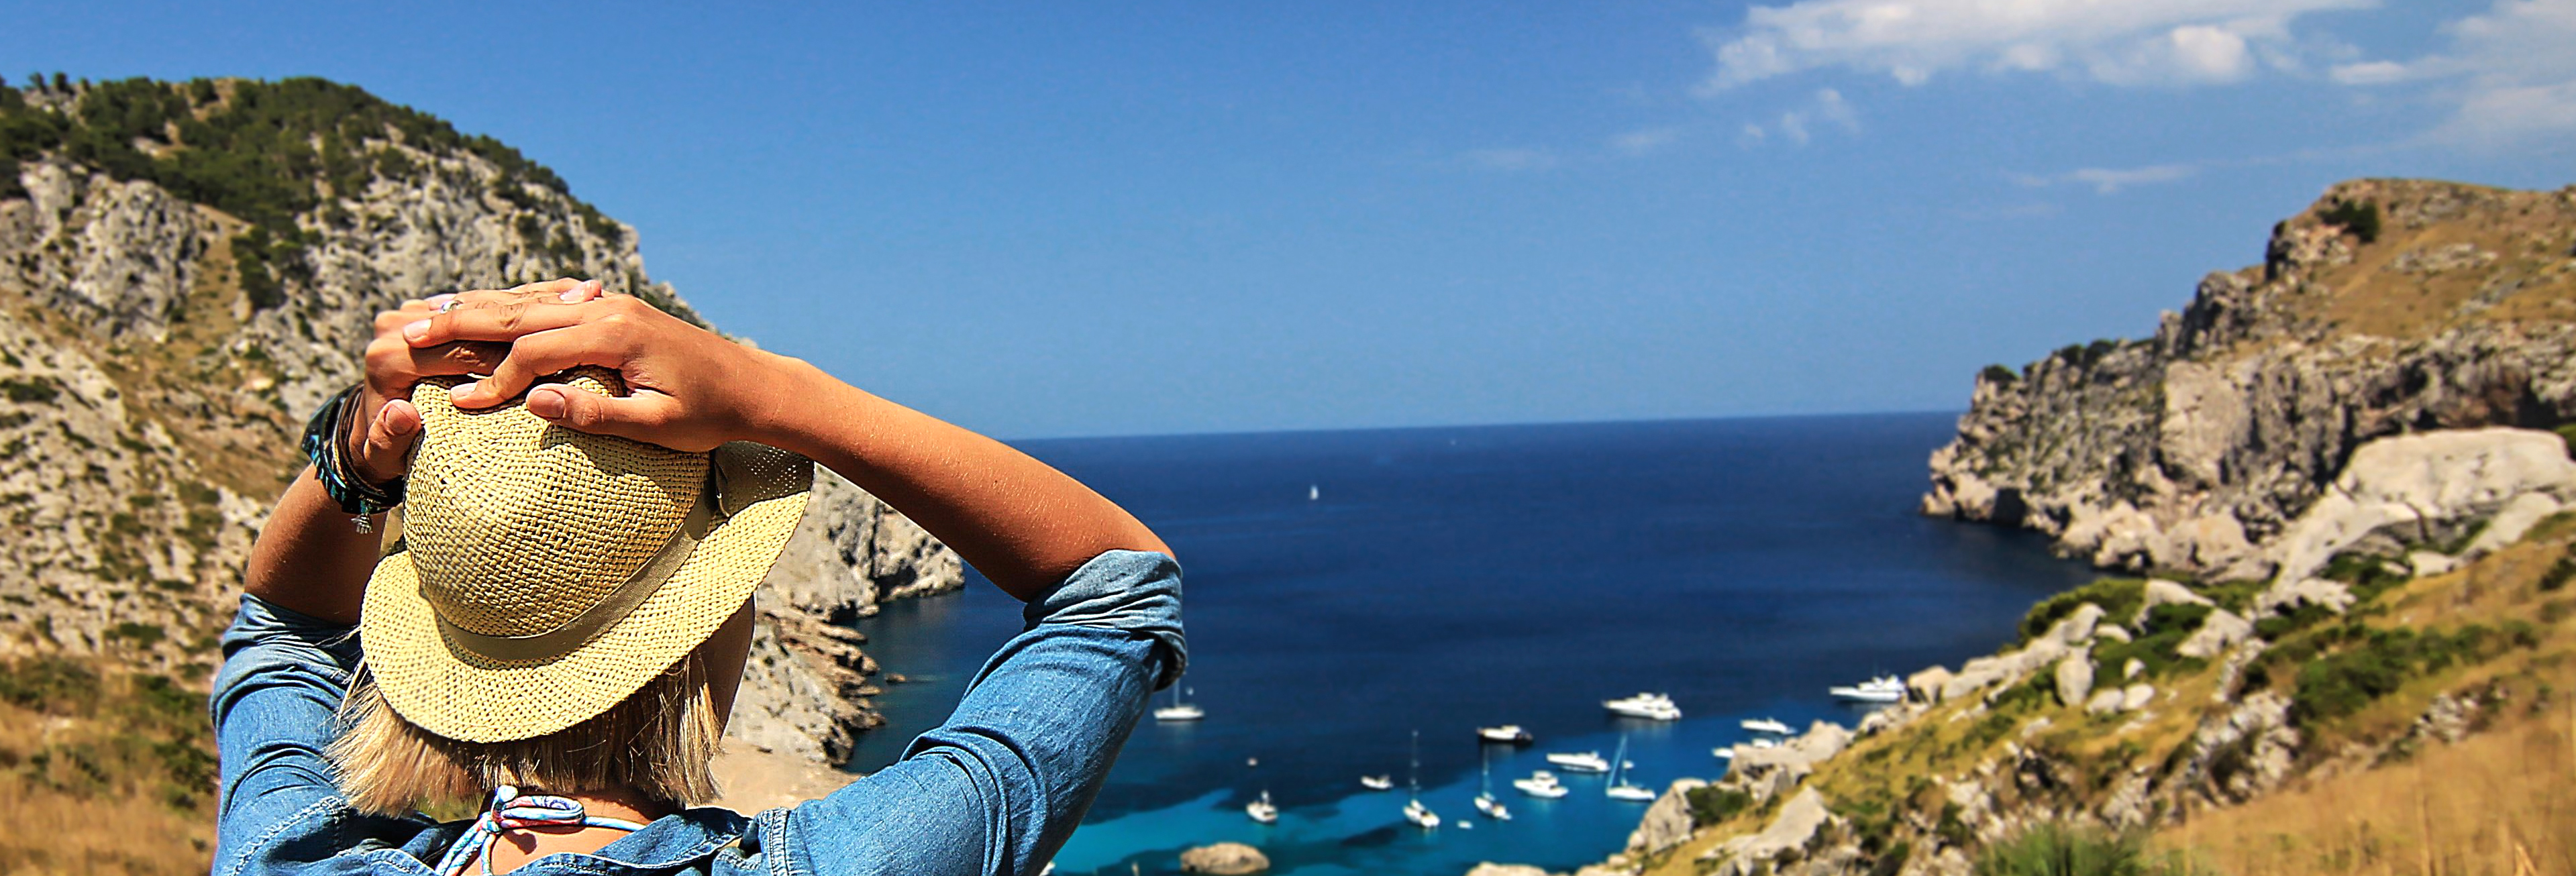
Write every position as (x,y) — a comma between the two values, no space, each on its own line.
(1540,784)
(1314,492)
(1725,752)
(1650,706)
(1179,711)
(1261,810)
(1377,783)
(1414,811)
(1767,725)
(1485,801)
(1766,742)
(1579,762)
(1508,734)
(1619,788)
(1879,689)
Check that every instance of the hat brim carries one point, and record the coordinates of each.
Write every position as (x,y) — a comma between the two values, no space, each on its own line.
(452,692)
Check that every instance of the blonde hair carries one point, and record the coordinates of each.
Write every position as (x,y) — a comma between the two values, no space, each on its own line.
(656,742)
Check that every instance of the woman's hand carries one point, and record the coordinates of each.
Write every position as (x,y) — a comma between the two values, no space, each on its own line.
(379,443)
(686,388)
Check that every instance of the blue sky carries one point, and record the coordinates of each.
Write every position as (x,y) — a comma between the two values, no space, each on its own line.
(1056,219)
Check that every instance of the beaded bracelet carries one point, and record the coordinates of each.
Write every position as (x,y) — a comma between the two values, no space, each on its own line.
(326,444)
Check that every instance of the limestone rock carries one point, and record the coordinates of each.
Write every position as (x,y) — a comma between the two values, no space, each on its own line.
(1224,859)
(2159,591)
(1792,829)
(2218,632)
(1489,868)
(2104,702)
(2137,696)
(1667,822)
(1927,685)
(2074,678)
(2419,489)
(2194,449)
(2114,633)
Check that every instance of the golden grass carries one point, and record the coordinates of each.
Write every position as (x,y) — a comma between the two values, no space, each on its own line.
(2501,802)
(101,773)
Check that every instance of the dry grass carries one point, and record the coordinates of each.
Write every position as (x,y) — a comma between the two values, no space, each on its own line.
(2501,802)
(101,773)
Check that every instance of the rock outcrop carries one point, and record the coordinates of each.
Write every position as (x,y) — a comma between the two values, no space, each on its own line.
(2188,450)
(159,348)
(1224,859)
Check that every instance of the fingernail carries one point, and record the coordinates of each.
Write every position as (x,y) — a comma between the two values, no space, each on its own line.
(416,330)
(575,293)
(546,403)
(440,299)
(461,390)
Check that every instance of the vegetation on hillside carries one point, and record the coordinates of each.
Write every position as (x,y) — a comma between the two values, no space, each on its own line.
(90,760)
(278,155)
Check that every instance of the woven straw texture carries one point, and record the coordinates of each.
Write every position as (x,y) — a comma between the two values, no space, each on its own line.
(514,526)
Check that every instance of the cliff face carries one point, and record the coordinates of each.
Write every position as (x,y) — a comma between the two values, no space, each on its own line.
(186,269)
(2391,306)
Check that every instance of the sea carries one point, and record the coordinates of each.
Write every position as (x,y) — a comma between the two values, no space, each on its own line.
(1359,602)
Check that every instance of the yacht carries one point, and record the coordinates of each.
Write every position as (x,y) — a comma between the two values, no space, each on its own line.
(1879,689)
(1485,801)
(1540,784)
(1508,734)
(1414,811)
(1767,725)
(1261,810)
(1619,788)
(1723,752)
(1766,742)
(1179,711)
(1377,783)
(1579,762)
(1650,706)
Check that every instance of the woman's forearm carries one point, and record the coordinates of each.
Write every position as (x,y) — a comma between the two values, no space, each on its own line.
(310,558)
(1017,520)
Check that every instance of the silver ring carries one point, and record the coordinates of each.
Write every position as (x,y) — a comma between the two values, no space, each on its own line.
(445,306)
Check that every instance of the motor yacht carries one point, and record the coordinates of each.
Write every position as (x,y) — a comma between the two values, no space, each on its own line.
(1767,725)
(1579,762)
(1650,706)
(1508,734)
(1540,784)
(1377,783)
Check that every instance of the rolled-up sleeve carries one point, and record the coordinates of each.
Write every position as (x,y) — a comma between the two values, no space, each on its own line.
(999,787)
(274,706)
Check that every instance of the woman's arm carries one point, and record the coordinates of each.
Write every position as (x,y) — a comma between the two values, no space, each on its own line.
(1023,524)
(309,557)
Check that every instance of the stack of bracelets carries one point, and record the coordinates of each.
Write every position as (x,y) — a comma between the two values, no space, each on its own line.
(326,443)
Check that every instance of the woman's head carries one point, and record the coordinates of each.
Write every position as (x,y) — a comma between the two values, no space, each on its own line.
(564,612)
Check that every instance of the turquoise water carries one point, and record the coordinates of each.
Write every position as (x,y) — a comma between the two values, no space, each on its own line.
(1442,579)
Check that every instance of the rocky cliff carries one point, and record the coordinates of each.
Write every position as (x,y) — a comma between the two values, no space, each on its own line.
(187,268)
(2360,566)
(2390,306)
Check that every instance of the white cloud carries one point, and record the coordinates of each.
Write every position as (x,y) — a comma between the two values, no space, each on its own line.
(2115,41)
(1510,159)
(1643,141)
(2109,180)
(1828,106)
(2509,75)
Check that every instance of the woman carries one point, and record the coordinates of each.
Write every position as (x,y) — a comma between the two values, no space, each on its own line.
(557,634)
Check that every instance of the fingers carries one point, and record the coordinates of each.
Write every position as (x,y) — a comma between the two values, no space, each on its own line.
(535,356)
(381,454)
(642,416)
(393,366)
(505,321)
(566,290)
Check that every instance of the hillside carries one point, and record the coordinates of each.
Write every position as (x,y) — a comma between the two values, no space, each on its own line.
(2389,306)
(185,270)
(2352,649)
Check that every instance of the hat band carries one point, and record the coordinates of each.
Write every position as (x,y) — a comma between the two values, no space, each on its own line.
(600,615)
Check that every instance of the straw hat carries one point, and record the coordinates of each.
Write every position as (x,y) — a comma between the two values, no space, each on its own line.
(545,574)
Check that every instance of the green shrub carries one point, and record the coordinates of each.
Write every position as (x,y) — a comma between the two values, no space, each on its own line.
(2558,574)
(2118,597)
(1713,804)
(2052,849)
(2378,662)
(2362,219)
(2001,375)
(30,390)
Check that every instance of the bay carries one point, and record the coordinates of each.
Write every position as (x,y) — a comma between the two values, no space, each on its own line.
(1347,589)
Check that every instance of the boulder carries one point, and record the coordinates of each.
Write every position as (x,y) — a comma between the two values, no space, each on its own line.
(2114,633)
(2132,669)
(2419,489)
(2075,678)
(1489,868)
(2218,632)
(1224,859)
(2104,702)
(1792,829)
(2512,521)
(1667,822)
(2136,696)
(1928,684)
(2159,591)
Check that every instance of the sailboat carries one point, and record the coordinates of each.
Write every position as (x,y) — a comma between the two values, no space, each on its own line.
(1179,711)
(1414,811)
(1261,810)
(1314,492)
(1485,801)
(1619,788)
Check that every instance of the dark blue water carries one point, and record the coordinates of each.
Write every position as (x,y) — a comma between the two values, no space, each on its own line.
(1446,578)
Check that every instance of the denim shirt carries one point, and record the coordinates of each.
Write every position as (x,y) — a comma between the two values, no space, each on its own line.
(994,790)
